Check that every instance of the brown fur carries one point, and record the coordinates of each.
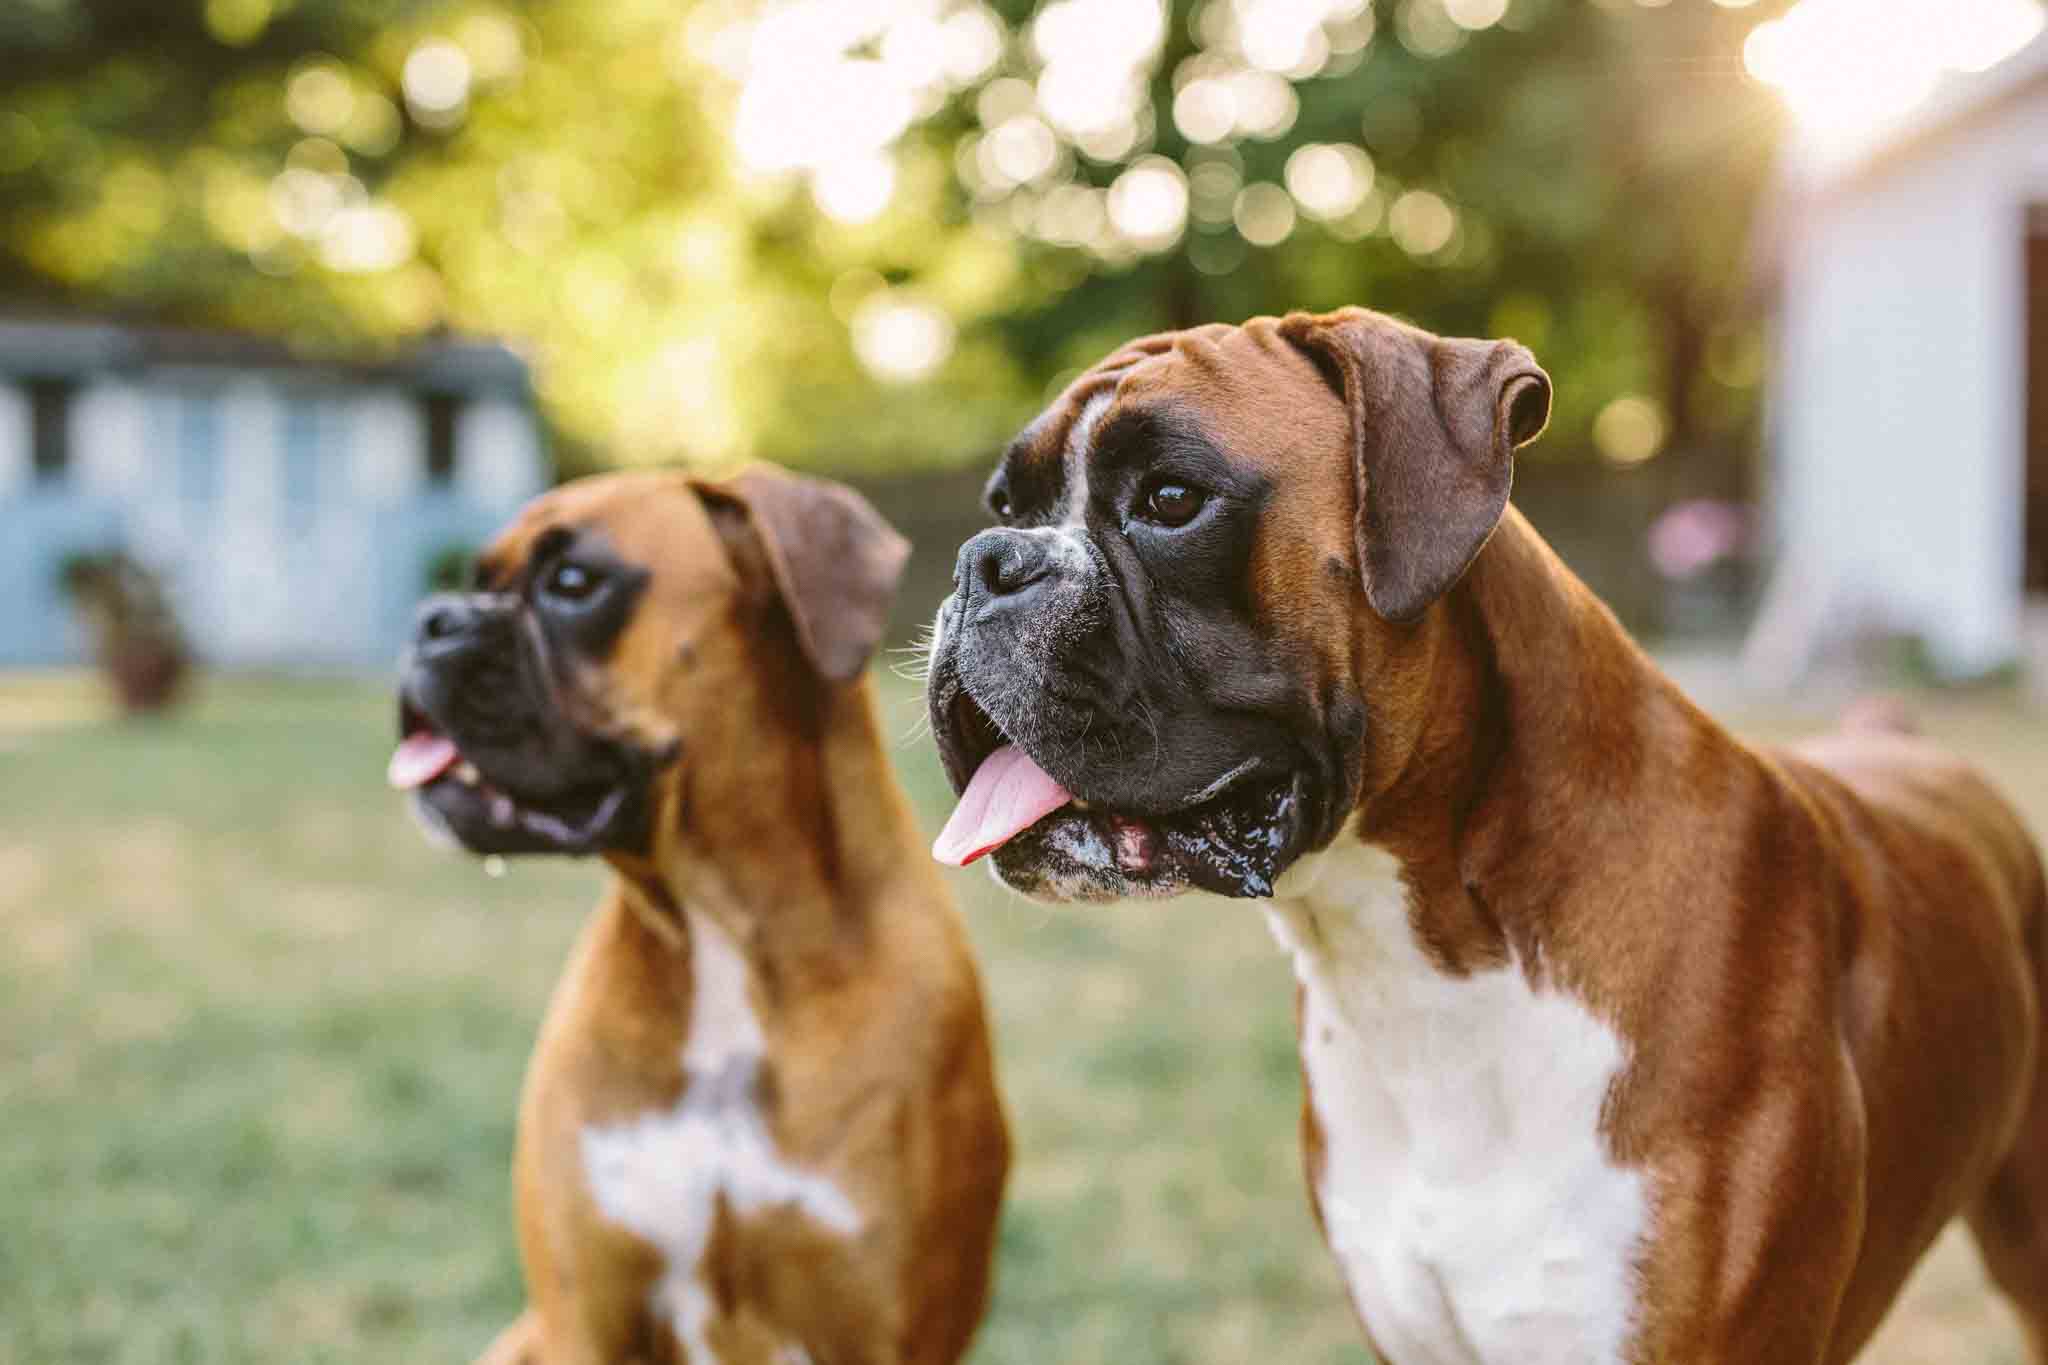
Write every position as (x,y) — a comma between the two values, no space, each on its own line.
(1826,962)
(783,822)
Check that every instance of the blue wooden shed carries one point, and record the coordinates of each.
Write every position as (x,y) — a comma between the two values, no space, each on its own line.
(293,508)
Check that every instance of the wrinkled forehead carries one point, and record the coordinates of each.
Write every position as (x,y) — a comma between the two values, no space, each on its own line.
(1245,391)
(639,517)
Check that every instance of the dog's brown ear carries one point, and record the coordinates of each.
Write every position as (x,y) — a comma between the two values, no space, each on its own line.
(835,562)
(1435,422)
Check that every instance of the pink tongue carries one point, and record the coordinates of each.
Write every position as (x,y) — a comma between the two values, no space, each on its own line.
(419,759)
(1007,795)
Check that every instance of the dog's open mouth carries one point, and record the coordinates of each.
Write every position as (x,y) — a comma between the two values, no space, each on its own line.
(456,795)
(1233,837)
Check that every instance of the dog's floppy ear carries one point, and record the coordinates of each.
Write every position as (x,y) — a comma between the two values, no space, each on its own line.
(1435,422)
(834,561)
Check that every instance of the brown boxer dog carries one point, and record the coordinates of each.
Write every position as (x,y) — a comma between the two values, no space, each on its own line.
(760,1126)
(1623,1040)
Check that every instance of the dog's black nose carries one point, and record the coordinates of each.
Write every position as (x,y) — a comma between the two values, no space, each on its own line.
(444,616)
(1002,563)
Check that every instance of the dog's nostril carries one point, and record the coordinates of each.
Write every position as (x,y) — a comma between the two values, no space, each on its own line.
(439,620)
(1007,569)
(1000,564)
(992,573)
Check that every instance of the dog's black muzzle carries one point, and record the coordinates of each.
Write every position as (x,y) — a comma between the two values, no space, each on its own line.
(527,778)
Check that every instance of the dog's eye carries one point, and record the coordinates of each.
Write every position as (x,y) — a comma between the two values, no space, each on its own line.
(999,503)
(573,582)
(1170,503)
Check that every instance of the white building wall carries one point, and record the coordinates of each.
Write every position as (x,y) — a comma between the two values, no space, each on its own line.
(497,452)
(109,425)
(1901,393)
(248,601)
(387,440)
(17,454)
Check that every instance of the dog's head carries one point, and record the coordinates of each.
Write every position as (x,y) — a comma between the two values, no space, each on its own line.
(621,629)
(1166,666)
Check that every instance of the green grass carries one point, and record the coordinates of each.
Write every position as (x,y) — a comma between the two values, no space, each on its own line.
(259,1048)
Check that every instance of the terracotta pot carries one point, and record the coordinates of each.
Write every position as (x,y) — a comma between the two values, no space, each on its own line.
(147,675)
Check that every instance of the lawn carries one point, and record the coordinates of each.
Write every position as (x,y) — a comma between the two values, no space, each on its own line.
(259,1047)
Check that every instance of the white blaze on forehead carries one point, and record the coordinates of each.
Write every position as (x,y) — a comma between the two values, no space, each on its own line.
(1069,536)
(664,1175)
(1466,1188)
(1074,459)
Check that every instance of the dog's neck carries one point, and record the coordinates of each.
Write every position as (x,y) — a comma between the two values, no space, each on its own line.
(792,842)
(1542,714)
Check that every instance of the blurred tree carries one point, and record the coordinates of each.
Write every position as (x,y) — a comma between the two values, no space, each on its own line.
(870,234)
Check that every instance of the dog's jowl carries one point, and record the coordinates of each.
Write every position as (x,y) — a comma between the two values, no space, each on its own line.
(760,1126)
(1623,1040)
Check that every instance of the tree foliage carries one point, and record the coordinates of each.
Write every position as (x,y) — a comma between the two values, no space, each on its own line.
(570,174)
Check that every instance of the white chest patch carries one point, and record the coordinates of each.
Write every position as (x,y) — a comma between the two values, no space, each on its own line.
(663,1175)
(1466,1190)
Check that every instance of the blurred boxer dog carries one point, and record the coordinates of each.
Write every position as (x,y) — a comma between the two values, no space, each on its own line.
(760,1126)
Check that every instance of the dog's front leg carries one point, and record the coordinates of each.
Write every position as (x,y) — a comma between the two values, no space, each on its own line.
(1759,1232)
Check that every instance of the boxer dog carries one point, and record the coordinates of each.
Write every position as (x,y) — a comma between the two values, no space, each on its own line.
(1622,1040)
(760,1125)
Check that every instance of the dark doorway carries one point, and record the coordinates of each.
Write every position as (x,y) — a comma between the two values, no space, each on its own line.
(49,409)
(2037,399)
(440,410)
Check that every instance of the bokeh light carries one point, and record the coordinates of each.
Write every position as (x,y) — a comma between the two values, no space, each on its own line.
(1629,430)
(1018,151)
(899,338)
(373,126)
(971,42)
(1422,224)
(1329,180)
(1264,214)
(436,82)
(1426,30)
(1149,203)
(1213,182)
(1473,15)
(320,99)
(1096,55)
(1075,216)
(492,43)
(1205,110)
(1291,38)
(304,200)
(827,88)
(856,190)
(1266,104)
(365,238)
(1850,69)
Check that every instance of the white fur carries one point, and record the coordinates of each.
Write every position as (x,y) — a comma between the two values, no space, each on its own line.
(937,649)
(663,1175)
(1080,439)
(1467,1192)
(1067,539)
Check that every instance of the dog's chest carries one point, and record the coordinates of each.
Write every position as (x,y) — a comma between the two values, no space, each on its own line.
(1465,1187)
(667,1175)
